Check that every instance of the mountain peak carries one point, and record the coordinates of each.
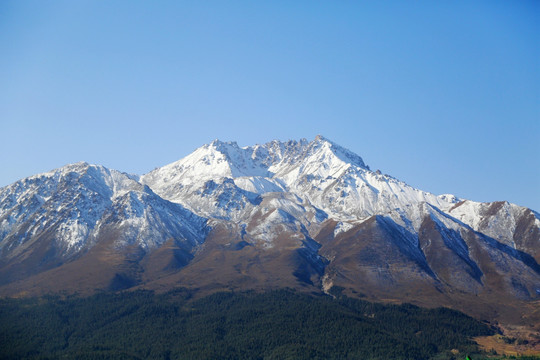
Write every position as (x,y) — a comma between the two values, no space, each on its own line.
(339,151)
(218,144)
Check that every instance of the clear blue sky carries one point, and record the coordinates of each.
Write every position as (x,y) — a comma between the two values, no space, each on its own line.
(444,95)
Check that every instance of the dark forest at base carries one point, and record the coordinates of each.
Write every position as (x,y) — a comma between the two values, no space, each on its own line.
(280,324)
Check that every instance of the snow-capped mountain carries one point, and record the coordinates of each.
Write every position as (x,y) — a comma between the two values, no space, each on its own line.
(320,172)
(297,213)
(57,216)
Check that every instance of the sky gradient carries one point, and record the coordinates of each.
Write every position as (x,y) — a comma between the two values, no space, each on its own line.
(442,95)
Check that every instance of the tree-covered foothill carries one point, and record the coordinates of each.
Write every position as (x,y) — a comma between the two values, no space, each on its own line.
(279,324)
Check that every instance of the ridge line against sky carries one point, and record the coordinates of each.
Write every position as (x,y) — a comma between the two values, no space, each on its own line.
(442,95)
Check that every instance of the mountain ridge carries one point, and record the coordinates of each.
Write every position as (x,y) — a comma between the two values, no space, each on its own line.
(301,214)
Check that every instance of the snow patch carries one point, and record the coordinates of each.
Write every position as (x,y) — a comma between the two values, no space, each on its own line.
(342,227)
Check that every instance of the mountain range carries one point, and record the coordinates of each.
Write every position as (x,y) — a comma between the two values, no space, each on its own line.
(309,215)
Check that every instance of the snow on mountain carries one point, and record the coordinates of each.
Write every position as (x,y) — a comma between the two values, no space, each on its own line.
(295,212)
(477,216)
(212,161)
(72,204)
(280,212)
(327,175)
(226,182)
(143,218)
(293,187)
(509,224)
(320,157)
(73,197)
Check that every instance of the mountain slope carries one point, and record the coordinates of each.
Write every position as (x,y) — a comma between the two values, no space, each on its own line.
(57,217)
(304,214)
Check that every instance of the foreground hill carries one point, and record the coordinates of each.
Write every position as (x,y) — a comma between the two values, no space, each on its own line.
(273,325)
